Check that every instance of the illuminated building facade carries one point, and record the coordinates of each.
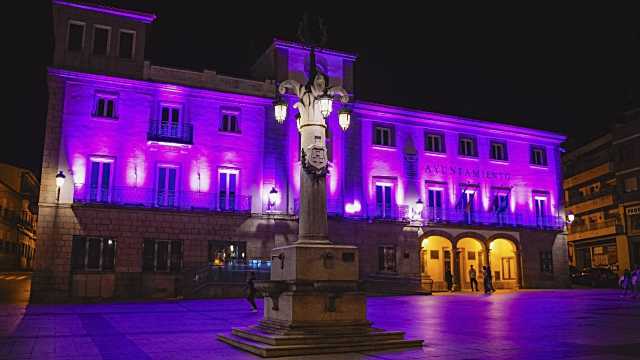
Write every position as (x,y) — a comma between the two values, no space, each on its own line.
(168,170)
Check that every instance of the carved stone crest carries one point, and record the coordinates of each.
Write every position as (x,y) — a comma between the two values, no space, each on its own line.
(315,159)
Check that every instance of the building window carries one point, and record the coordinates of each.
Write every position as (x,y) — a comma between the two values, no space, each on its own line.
(498,151)
(546,262)
(383,136)
(434,254)
(538,156)
(387,258)
(227,189)
(170,121)
(105,106)
(501,202)
(229,122)
(166,191)
(101,39)
(383,200)
(75,36)
(434,204)
(508,269)
(467,146)
(127,43)
(226,252)
(434,143)
(100,180)
(631,184)
(90,253)
(162,255)
(540,206)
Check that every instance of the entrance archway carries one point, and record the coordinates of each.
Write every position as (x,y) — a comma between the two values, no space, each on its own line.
(503,258)
(472,254)
(436,259)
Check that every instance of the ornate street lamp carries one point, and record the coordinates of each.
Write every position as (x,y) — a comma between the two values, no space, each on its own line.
(273,197)
(344,118)
(419,206)
(59,183)
(280,108)
(570,217)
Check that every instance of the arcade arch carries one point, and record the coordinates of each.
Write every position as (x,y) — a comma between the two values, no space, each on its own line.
(504,261)
(436,258)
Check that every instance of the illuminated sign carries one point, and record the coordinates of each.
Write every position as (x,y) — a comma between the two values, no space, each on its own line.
(459,171)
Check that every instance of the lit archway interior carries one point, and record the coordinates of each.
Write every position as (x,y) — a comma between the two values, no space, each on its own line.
(435,258)
(503,262)
(471,254)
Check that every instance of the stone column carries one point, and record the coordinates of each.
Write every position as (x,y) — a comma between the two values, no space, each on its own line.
(313,191)
(520,280)
(457,281)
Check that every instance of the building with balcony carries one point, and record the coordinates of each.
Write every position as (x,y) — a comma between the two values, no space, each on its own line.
(601,191)
(18,218)
(172,173)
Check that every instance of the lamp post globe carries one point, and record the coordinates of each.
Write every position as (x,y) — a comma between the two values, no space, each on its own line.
(273,197)
(280,108)
(60,179)
(326,105)
(344,119)
(419,206)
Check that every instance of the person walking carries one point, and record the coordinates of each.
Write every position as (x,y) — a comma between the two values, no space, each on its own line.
(626,282)
(486,281)
(251,292)
(635,282)
(448,277)
(490,273)
(472,279)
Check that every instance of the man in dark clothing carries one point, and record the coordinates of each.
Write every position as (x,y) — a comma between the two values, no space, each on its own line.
(449,279)
(251,291)
(472,279)
(486,274)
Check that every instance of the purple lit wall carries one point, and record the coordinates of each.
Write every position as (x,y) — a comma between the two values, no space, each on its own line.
(265,155)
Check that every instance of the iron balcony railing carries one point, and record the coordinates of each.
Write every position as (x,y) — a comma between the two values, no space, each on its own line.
(231,272)
(151,198)
(10,217)
(181,133)
(490,218)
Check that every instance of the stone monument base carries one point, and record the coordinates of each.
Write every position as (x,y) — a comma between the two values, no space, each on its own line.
(270,340)
(313,305)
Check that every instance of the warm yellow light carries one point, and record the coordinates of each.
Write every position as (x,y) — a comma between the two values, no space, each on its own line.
(344,119)
(280,108)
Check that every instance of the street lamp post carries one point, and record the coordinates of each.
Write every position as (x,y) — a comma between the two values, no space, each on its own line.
(314,104)
(313,292)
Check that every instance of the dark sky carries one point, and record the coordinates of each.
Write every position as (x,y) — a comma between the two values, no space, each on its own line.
(570,70)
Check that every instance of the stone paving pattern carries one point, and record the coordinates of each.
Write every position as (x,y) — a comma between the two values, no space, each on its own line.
(528,324)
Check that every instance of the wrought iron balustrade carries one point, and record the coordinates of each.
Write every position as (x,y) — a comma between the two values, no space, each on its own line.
(166,132)
(578,228)
(151,198)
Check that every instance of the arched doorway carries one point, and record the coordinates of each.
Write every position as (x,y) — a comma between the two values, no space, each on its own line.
(436,259)
(472,255)
(503,258)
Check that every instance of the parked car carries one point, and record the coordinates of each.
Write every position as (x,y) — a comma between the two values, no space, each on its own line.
(594,277)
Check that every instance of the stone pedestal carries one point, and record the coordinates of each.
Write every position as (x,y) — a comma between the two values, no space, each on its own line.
(313,305)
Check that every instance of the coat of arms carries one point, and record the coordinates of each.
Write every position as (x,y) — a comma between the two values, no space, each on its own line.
(315,159)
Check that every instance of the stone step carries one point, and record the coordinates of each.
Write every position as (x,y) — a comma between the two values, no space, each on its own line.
(327,338)
(266,350)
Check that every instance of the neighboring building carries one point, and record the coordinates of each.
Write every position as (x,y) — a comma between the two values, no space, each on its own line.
(601,191)
(170,170)
(18,217)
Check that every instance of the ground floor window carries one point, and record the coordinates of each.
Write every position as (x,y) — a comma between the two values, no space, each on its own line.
(546,262)
(162,255)
(226,252)
(92,253)
(387,258)
(508,269)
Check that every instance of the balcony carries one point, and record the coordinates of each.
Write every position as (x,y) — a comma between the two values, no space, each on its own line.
(170,134)
(149,198)
(490,218)
(597,200)
(591,230)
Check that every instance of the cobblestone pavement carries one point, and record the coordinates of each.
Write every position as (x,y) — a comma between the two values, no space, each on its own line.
(545,324)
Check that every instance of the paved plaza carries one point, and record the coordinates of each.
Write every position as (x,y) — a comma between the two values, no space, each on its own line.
(569,324)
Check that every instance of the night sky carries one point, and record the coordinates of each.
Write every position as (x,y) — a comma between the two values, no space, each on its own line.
(572,70)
